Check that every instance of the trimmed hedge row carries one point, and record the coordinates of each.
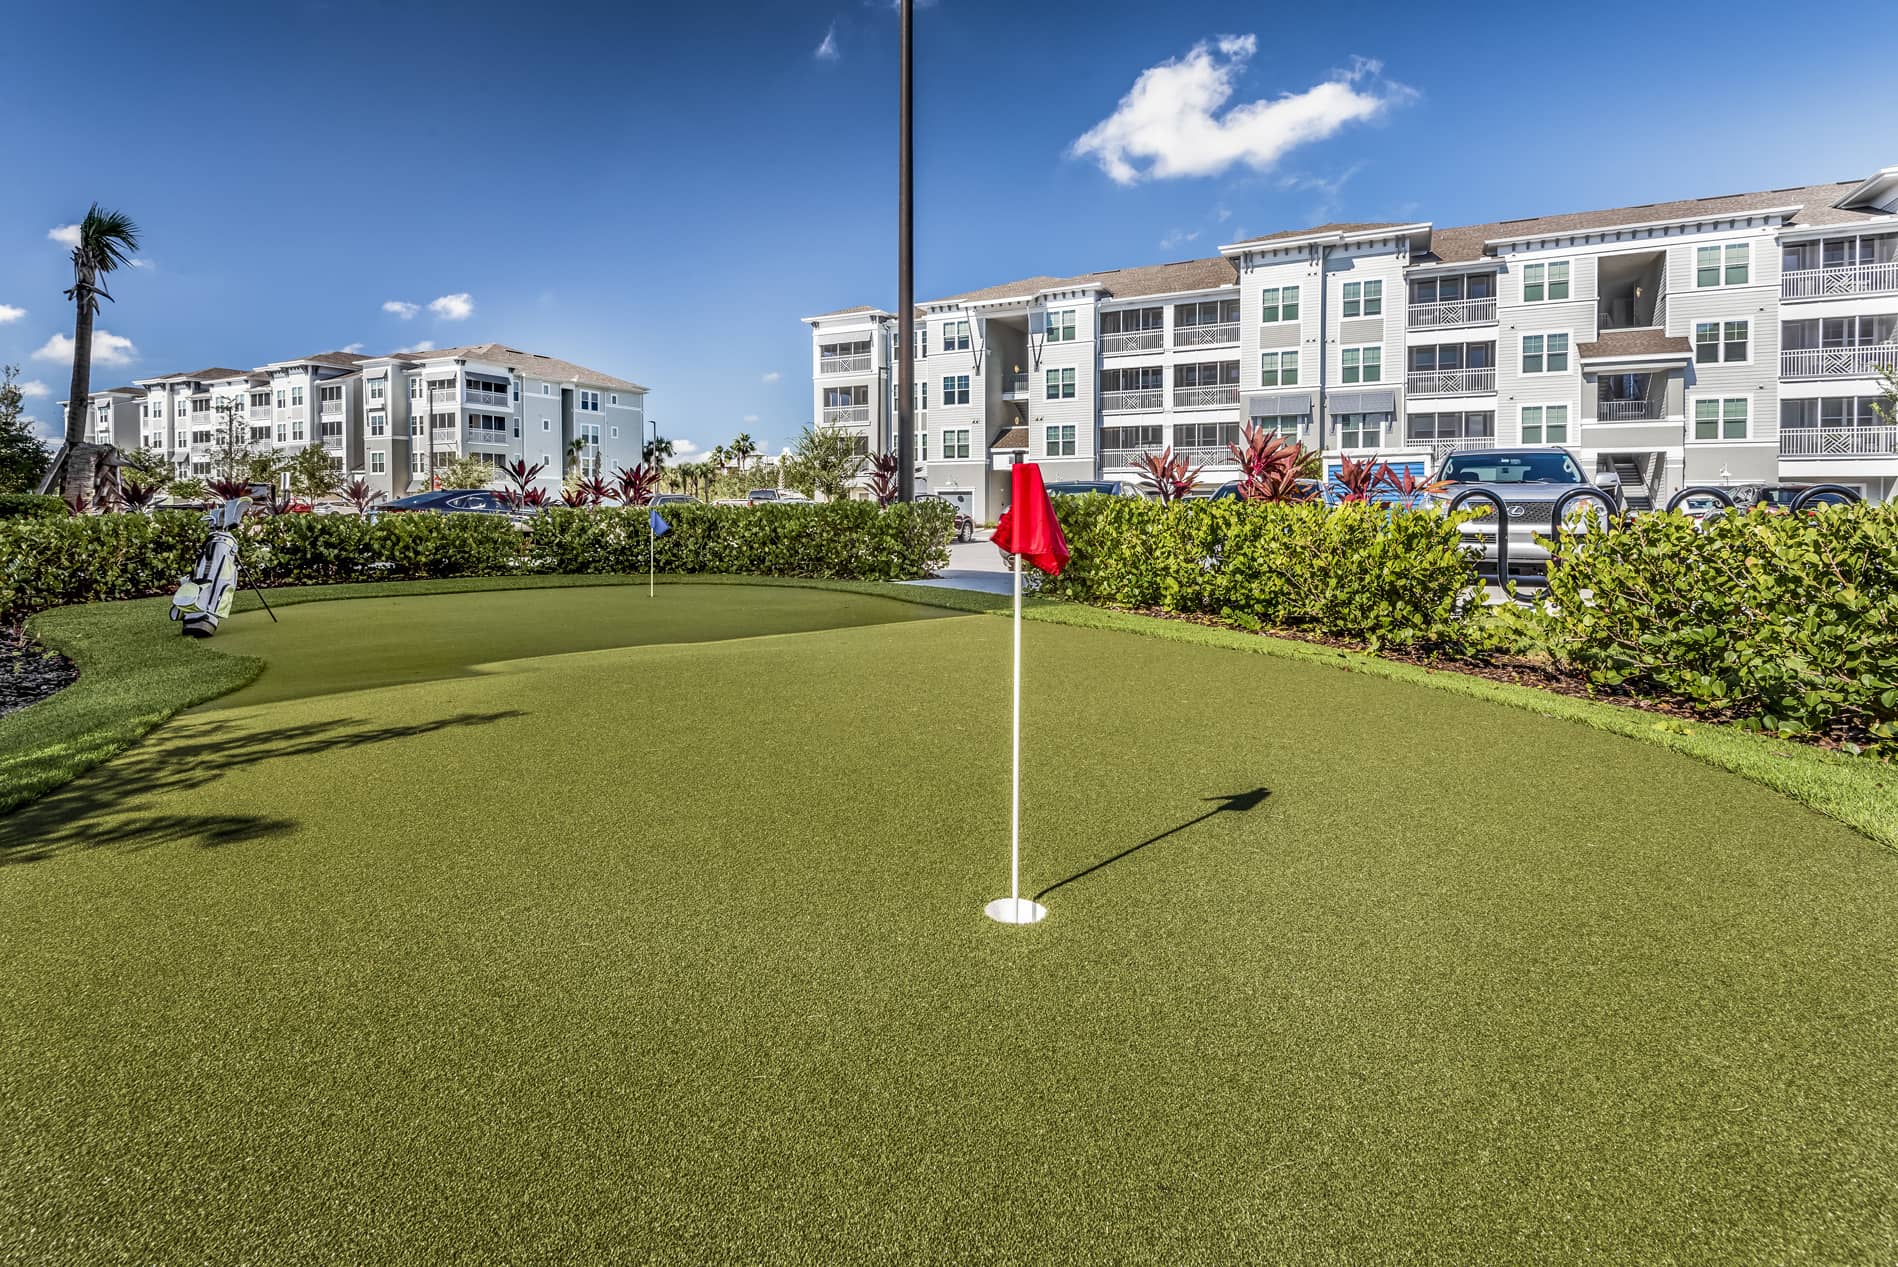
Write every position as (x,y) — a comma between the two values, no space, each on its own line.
(32,506)
(51,563)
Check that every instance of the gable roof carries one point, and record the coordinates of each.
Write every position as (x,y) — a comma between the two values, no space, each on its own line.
(547,367)
(1335,226)
(1118,283)
(1641,342)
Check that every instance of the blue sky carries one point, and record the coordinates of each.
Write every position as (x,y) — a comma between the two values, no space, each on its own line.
(661,191)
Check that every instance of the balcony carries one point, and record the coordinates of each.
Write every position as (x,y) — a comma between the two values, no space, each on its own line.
(1443,448)
(1130,402)
(1452,312)
(1133,341)
(844,364)
(1194,457)
(1015,387)
(1839,442)
(1204,397)
(1840,281)
(1607,410)
(444,398)
(845,415)
(331,409)
(490,399)
(1206,336)
(1450,382)
(1857,362)
(331,434)
(487,435)
(260,411)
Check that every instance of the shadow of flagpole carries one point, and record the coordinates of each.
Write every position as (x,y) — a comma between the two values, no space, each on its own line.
(1237,803)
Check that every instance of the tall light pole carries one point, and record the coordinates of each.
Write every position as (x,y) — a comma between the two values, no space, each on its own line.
(906,266)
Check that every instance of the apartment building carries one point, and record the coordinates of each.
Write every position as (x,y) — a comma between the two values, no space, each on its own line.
(1732,340)
(113,416)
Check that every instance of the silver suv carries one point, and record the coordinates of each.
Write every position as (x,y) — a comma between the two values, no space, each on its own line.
(1528,482)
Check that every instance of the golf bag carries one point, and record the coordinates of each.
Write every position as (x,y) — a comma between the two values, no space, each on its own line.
(204,598)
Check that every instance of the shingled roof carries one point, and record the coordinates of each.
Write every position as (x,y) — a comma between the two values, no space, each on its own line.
(1118,283)
(1644,342)
(1336,226)
(547,367)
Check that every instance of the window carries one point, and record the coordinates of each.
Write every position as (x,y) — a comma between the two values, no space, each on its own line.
(1545,282)
(546,389)
(614,431)
(955,444)
(1061,384)
(378,462)
(922,442)
(1728,265)
(1278,369)
(1061,441)
(1125,438)
(589,401)
(200,406)
(1718,341)
(377,387)
(955,389)
(378,424)
(1278,303)
(1362,365)
(1545,353)
(1363,299)
(283,433)
(296,396)
(1545,424)
(613,399)
(1287,425)
(1205,435)
(418,464)
(955,336)
(1133,320)
(545,425)
(1450,426)
(280,399)
(330,393)
(1362,431)
(1720,418)
(1060,326)
(1213,312)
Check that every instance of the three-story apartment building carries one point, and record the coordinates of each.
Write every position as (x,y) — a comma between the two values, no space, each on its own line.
(1732,340)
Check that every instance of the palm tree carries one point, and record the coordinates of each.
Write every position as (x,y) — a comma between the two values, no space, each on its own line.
(743,447)
(106,240)
(657,451)
(719,455)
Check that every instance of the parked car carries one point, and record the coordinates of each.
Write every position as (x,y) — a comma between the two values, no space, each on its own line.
(1528,482)
(1311,488)
(1113,488)
(449,500)
(965,522)
(1700,502)
(675,499)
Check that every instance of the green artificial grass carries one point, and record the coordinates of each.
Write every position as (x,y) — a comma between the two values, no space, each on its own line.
(672,952)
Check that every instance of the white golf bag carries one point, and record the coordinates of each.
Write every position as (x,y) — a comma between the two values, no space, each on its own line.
(204,598)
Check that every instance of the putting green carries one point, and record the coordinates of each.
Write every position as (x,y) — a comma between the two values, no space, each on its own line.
(645,941)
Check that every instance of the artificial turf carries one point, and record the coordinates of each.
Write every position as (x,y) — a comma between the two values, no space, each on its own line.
(673,952)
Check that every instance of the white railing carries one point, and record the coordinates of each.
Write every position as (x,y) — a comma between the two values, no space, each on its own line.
(1452,312)
(1205,336)
(1845,442)
(1859,362)
(332,437)
(1133,341)
(844,364)
(1630,410)
(478,397)
(835,414)
(1847,279)
(444,398)
(1148,400)
(487,435)
(260,411)
(1204,397)
(1194,457)
(1015,387)
(1441,449)
(1450,382)
(331,409)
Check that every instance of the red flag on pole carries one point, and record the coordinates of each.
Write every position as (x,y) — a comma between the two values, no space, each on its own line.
(1028,527)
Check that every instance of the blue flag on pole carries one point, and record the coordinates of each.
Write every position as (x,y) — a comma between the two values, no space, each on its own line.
(659,526)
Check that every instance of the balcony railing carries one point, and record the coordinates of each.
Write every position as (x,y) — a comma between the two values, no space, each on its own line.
(1204,397)
(444,398)
(1450,382)
(1630,410)
(836,414)
(475,396)
(844,364)
(1206,336)
(1443,448)
(1132,341)
(1859,362)
(1452,312)
(331,409)
(1841,442)
(1148,400)
(486,435)
(1015,387)
(1848,279)
(260,411)
(1194,457)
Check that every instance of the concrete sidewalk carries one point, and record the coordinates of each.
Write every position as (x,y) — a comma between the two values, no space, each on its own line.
(973,565)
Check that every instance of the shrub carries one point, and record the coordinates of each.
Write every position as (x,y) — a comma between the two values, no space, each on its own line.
(1789,622)
(31,506)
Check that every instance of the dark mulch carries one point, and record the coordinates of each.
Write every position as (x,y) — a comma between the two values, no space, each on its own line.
(28,672)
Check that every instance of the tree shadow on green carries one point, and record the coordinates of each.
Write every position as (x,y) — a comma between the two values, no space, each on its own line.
(112,807)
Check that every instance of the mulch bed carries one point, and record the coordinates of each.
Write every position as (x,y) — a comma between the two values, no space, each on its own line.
(28,672)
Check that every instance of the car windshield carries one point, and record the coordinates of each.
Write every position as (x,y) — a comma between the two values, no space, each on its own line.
(1078,487)
(1511,468)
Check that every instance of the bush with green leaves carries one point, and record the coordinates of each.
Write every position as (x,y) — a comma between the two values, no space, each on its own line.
(32,506)
(1787,622)
(1378,574)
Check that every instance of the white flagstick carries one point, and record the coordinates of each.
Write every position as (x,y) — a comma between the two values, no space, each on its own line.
(652,546)
(1011,909)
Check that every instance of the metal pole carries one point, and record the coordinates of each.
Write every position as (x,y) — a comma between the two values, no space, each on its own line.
(906,266)
(1014,797)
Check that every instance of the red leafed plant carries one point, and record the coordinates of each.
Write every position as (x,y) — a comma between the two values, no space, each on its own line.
(1409,487)
(520,474)
(885,468)
(136,495)
(226,490)
(360,495)
(1165,476)
(1362,481)
(575,497)
(1272,468)
(596,489)
(78,503)
(636,484)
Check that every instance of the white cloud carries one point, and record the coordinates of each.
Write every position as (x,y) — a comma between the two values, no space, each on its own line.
(426,345)
(453,307)
(33,387)
(107,349)
(1177,237)
(1174,121)
(684,449)
(773,376)
(44,430)
(65,234)
(1224,214)
(749,419)
(827,51)
(9,313)
(142,264)
(400,309)
(353,347)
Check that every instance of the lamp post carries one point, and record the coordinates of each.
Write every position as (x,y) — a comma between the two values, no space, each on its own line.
(906,265)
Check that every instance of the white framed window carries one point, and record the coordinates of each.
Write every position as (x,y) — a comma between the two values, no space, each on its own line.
(378,462)
(922,446)
(1278,303)
(296,396)
(1723,342)
(1060,384)
(1364,299)
(1362,431)
(1287,425)
(1361,365)
(378,424)
(1061,441)
(546,389)
(1060,326)
(613,399)
(546,425)
(1729,265)
(614,431)
(280,399)
(955,389)
(1278,369)
(377,387)
(1721,417)
(955,444)
(590,401)
(283,433)
(1546,282)
(1545,424)
(955,336)
(1545,353)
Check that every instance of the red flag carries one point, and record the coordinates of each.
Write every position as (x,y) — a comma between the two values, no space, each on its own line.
(1028,527)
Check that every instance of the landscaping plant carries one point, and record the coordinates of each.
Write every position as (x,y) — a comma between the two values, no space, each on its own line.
(1272,468)
(636,484)
(1164,476)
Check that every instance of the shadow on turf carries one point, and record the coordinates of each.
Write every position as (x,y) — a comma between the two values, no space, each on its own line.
(110,807)
(1237,803)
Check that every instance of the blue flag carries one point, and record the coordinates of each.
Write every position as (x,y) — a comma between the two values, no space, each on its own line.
(659,526)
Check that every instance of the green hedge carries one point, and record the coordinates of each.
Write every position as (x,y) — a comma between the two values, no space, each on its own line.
(32,506)
(1787,621)
(51,563)
(1379,574)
